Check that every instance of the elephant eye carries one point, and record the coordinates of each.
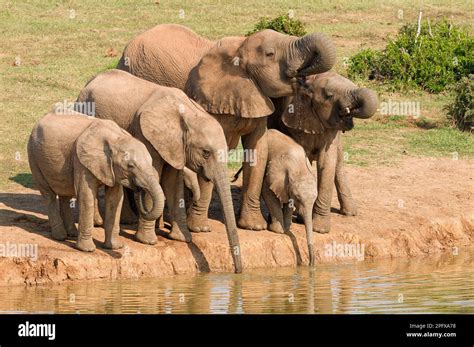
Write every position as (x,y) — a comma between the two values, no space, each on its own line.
(329,95)
(206,153)
(270,54)
(131,166)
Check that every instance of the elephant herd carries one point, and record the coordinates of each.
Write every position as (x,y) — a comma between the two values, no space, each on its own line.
(165,120)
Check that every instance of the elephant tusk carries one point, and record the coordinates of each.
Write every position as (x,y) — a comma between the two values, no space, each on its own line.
(348,110)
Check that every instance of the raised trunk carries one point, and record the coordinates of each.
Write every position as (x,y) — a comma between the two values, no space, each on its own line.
(317,54)
(308,224)
(366,103)
(223,189)
(153,189)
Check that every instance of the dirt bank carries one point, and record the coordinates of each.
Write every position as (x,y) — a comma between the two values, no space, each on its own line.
(416,208)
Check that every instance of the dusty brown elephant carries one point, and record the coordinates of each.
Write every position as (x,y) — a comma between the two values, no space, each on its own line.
(177,132)
(72,155)
(289,184)
(315,118)
(233,79)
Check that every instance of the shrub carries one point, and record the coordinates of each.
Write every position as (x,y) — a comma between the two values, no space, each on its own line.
(283,24)
(438,57)
(461,110)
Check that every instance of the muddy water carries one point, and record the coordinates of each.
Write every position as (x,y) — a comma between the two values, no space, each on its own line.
(439,285)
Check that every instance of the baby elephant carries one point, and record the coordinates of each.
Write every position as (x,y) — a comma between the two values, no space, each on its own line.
(289,183)
(72,155)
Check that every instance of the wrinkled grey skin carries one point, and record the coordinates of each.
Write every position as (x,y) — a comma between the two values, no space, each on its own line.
(233,79)
(289,183)
(73,155)
(176,132)
(314,118)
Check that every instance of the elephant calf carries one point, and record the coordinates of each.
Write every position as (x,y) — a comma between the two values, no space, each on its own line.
(73,155)
(289,183)
(314,118)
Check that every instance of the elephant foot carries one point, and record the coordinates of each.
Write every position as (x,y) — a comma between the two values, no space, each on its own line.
(198,224)
(146,237)
(85,245)
(178,234)
(98,221)
(59,233)
(321,224)
(252,220)
(114,243)
(349,210)
(276,227)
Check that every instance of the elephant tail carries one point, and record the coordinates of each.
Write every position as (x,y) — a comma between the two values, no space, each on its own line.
(237,174)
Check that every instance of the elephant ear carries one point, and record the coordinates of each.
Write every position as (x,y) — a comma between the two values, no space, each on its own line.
(162,124)
(300,114)
(94,149)
(222,86)
(277,178)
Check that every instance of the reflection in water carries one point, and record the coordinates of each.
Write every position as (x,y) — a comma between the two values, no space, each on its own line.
(441,284)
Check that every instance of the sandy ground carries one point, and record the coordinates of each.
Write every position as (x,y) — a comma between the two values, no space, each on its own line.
(419,207)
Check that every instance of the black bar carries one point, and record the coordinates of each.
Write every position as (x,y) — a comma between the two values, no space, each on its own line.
(318,330)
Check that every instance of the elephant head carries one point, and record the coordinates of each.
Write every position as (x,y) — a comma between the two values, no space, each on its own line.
(329,101)
(185,135)
(113,156)
(239,74)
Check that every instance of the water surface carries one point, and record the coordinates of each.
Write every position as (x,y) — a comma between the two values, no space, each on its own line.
(442,284)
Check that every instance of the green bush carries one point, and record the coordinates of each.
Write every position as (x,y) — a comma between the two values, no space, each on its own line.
(461,110)
(429,61)
(283,24)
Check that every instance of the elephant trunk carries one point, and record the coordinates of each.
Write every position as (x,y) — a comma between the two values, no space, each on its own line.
(366,103)
(223,189)
(153,189)
(308,224)
(317,52)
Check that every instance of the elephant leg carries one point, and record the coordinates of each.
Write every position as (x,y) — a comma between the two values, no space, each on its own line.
(344,195)
(113,206)
(58,232)
(128,216)
(256,146)
(98,220)
(198,212)
(146,228)
(65,209)
(172,184)
(87,193)
(326,175)
(277,224)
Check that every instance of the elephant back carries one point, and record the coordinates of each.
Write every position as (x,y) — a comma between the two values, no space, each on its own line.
(164,54)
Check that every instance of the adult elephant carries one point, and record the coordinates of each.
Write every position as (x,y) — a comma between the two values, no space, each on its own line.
(233,79)
(315,118)
(177,132)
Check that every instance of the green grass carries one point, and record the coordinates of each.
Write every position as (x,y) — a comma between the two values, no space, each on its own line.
(60,54)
